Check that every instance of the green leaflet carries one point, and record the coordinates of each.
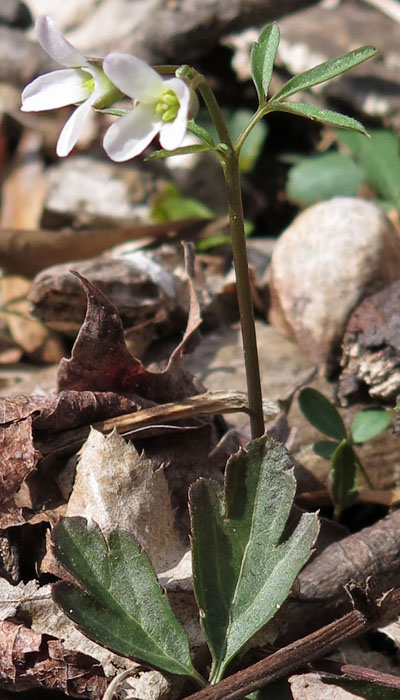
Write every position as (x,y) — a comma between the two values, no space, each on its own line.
(263,55)
(321,413)
(325,116)
(242,570)
(370,423)
(119,602)
(324,71)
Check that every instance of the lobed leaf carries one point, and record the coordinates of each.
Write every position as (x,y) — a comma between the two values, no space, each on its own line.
(321,413)
(324,71)
(118,602)
(325,116)
(242,570)
(262,58)
(344,477)
(370,423)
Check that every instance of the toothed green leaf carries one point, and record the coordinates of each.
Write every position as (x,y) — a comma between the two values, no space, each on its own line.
(118,601)
(242,570)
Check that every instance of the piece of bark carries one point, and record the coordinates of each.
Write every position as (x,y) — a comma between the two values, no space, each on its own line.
(371,348)
(371,556)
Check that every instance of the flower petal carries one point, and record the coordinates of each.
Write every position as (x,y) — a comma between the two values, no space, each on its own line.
(173,133)
(56,89)
(72,129)
(53,42)
(132,133)
(133,77)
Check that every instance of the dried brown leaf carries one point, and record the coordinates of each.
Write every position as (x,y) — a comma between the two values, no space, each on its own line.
(117,487)
(100,360)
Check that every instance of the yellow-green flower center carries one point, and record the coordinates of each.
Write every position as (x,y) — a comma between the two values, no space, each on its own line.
(167,106)
(89,84)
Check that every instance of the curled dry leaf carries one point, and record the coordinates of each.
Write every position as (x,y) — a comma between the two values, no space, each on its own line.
(114,368)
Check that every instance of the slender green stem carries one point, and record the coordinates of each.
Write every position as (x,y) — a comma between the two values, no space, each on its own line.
(259,114)
(235,210)
(229,159)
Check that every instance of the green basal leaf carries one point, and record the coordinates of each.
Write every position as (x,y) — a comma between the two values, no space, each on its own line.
(242,570)
(324,71)
(379,157)
(325,448)
(262,57)
(344,477)
(370,423)
(323,176)
(325,116)
(118,601)
(182,151)
(321,413)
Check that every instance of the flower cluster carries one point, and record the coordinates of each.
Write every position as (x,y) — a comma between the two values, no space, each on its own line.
(161,106)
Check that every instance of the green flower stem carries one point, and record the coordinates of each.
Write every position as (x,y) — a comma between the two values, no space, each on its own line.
(229,158)
(235,210)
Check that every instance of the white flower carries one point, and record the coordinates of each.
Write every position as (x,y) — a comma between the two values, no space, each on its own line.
(161,107)
(82,81)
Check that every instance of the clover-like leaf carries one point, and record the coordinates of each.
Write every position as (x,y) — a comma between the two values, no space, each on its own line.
(263,55)
(324,71)
(370,423)
(118,601)
(321,413)
(243,571)
(344,477)
(325,116)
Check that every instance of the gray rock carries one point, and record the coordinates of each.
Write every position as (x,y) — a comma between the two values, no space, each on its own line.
(333,255)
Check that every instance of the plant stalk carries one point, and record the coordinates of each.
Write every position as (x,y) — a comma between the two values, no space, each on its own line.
(229,158)
(246,311)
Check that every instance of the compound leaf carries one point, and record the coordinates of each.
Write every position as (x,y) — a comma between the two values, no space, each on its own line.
(324,71)
(242,570)
(263,55)
(118,602)
(321,413)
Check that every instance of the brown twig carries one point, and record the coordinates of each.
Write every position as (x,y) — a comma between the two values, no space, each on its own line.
(209,403)
(301,652)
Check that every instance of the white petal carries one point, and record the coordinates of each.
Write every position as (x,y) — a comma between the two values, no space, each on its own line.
(129,136)
(133,77)
(172,133)
(56,89)
(53,42)
(72,129)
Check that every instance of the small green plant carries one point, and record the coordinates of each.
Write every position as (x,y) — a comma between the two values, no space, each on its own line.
(243,571)
(345,463)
